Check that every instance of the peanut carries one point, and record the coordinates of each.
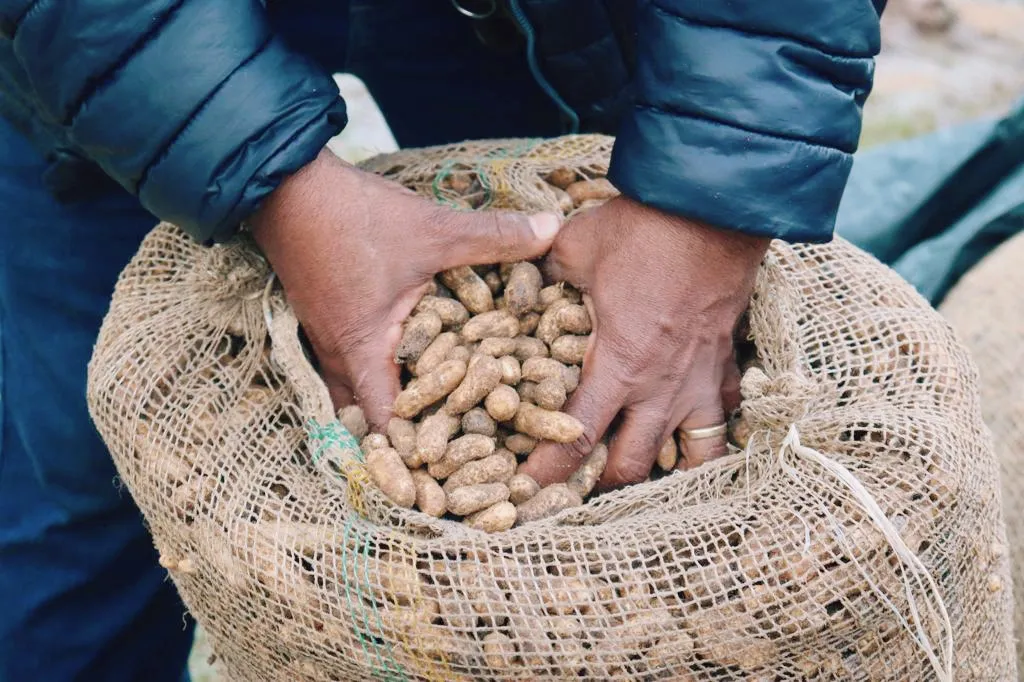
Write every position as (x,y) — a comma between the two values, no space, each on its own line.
(430,388)
(584,479)
(565,205)
(461,353)
(562,177)
(598,189)
(390,474)
(402,434)
(523,288)
(483,376)
(493,281)
(548,295)
(374,441)
(499,651)
(573,319)
(529,347)
(564,596)
(496,468)
(539,369)
(353,419)
(504,270)
(477,420)
(461,450)
(496,346)
(494,519)
(548,502)
(419,331)
(467,286)
(436,353)
(521,488)
(511,372)
(430,497)
(452,313)
(572,378)
(433,434)
(502,402)
(546,424)
(527,391)
(668,455)
(528,323)
(473,498)
(520,443)
(548,327)
(493,324)
(550,394)
(739,432)
(570,349)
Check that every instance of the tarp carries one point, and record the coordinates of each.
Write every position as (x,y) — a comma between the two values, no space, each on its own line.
(933,206)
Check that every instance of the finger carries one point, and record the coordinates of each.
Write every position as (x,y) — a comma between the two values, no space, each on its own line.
(731,397)
(636,445)
(570,258)
(494,236)
(595,403)
(556,270)
(375,377)
(696,451)
(341,393)
(375,386)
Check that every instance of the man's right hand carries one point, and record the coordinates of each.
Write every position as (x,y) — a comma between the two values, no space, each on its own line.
(355,253)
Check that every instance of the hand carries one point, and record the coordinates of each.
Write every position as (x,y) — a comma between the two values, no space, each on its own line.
(355,253)
(666,295)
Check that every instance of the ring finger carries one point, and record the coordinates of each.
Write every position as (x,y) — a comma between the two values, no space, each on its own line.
(702,436)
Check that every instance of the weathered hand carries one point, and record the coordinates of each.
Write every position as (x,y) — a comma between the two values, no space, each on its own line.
(666,294)
(355,253)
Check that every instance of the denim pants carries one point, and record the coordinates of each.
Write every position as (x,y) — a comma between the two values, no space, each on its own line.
(81,594)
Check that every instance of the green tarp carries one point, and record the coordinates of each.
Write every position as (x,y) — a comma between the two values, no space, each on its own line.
(933,206)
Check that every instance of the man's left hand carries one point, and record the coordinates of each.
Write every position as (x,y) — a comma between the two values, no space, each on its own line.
(666,294)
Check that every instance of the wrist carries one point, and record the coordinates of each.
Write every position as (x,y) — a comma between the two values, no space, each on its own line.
(292,198)
(715,246)
(736,246)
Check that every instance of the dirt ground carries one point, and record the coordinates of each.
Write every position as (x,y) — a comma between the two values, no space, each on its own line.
(941,63)
(929,79)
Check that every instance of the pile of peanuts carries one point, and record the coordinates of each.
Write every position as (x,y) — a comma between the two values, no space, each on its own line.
(491,355)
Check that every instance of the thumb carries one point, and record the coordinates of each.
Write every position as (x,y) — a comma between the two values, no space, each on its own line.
(496,237)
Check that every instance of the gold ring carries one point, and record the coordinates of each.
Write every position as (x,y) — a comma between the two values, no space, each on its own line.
(704,432)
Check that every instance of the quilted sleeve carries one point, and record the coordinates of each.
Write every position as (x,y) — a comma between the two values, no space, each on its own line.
(195,107)
(747,114)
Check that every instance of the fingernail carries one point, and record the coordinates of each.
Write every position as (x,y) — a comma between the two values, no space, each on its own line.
(544,225)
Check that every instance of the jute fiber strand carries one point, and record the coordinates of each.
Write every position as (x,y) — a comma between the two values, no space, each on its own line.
(986,308)
(859,535)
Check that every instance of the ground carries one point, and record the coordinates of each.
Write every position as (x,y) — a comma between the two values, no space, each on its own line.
(925,79)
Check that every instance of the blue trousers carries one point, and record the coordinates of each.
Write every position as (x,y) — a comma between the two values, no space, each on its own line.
(81,594)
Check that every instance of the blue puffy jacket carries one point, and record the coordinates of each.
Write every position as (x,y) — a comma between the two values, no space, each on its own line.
(742,114)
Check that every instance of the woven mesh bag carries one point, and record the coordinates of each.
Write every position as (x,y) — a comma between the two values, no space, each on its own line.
(859,536)
(986,308)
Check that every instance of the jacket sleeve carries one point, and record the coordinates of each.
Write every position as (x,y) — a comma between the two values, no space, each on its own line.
(747,113)
(195,107)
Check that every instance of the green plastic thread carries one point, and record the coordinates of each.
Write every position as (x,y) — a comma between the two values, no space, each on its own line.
(327,436)
(379,660)
(516,151)
(331,435)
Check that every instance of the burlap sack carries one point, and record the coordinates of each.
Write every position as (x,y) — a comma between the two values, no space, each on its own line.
(986,308)
(858,537)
